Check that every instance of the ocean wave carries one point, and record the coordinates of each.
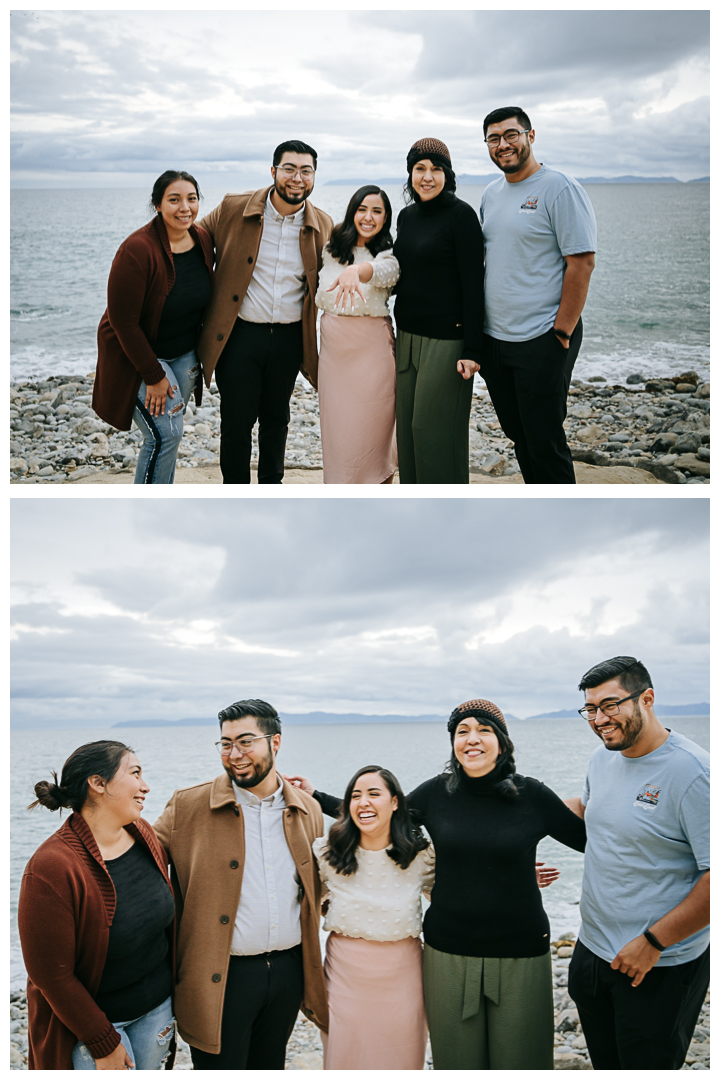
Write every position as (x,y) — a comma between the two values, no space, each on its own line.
(39,314)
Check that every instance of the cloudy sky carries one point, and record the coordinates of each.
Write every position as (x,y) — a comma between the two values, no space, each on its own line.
(173,608)
(111,98)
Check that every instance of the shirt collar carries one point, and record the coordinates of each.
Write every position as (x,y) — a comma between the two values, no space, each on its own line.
(247,798)
(297,218)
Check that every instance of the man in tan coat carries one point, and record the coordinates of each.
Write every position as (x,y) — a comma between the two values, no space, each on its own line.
(260,327)
(247,894)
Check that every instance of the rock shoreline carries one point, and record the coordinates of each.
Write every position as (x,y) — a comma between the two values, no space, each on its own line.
(305,1048)
(661,426)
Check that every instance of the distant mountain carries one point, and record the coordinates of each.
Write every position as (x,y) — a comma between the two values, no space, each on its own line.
(698,709)
(302,718)
(487,178)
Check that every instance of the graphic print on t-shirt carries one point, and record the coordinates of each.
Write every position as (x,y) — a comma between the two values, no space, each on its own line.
(530,205)
(648,797)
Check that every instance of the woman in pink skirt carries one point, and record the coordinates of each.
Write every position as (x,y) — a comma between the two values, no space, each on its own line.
(356,369)
(374,865)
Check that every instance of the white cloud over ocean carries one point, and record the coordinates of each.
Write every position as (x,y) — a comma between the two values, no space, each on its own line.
(121,95)
(172,608)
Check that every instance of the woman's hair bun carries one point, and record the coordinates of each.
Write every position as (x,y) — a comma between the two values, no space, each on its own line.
(49,795)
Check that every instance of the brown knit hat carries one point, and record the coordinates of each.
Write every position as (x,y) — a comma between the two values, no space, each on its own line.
(481,710)
(429,148)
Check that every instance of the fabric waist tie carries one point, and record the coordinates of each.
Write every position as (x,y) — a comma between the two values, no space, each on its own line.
(482,976)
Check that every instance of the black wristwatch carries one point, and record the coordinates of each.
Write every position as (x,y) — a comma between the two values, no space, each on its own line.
(561,333)
(654,941)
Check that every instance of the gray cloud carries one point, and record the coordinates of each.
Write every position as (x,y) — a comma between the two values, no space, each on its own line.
(171,609)
(98,92)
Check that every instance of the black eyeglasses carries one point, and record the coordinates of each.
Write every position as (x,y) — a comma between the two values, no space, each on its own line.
(510,136)
(610,708)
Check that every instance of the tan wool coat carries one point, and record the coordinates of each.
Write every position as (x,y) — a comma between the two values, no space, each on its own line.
(236,228)
(203,834)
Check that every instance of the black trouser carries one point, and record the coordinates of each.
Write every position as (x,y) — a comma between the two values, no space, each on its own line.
(644,1027)
(262,1000)
(528,383)
(255,375)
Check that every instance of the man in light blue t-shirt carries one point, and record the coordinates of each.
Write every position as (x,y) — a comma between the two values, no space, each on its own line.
(540,238)
(641,967)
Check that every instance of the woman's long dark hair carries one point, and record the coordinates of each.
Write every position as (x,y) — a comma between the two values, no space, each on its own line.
(100,758)
(505,768)
(343,238)
(344,836)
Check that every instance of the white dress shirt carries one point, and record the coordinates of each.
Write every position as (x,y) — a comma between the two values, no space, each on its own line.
(277,288)
(379,902)
(268,915)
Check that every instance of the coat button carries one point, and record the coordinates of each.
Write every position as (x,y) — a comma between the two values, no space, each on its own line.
(224,919)
(216,977)
(249,258)
(234,864)
(220,337)
(235,299)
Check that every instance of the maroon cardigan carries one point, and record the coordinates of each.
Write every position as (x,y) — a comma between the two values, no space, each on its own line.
(66,908)
(141,276)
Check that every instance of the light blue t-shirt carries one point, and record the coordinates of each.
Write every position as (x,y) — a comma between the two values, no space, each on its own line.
(648,842)
(528,227)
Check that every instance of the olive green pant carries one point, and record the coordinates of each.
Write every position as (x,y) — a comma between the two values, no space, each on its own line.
(432,406)
(489,1012)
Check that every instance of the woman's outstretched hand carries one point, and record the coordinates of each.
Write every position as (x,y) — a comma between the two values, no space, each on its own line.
(300,781)
(119,1059)
(156,397)
(547,876)
(347,284)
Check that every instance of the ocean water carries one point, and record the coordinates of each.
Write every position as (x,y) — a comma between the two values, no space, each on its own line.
(648,309)
(555,751)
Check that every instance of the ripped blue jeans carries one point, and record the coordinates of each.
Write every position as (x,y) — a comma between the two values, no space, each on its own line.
(147,1039)
(162,434)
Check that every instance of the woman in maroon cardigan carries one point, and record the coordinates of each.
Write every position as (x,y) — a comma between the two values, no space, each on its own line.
(96,921)
(159,286)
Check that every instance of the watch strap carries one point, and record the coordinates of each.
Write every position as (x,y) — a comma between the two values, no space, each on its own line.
(654,941)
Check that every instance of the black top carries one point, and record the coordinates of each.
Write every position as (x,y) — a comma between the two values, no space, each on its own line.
(137,976)
(486,900)
(184,305)
(440,250)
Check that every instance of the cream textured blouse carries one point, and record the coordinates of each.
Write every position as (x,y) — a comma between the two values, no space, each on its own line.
(376,291)
(379,902)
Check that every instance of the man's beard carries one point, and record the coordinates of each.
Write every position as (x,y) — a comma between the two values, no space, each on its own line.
(254,776)
(523,155)
(291,197)
(631,733)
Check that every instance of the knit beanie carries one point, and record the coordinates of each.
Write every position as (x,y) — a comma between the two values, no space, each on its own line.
(481,710)
(433,149)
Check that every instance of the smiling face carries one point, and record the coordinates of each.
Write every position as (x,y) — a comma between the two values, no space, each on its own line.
(291,183)
(124,795)
(427,179)
(248,768)
(369,218)
(371,808)
(623,730)
(511,157)
(179,206)
(476,746)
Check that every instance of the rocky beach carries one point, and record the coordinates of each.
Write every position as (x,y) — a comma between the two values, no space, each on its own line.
(305,1048)
(659,426)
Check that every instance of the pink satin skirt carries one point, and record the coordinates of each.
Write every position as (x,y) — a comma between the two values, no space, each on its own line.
(377,1010)
(356,386)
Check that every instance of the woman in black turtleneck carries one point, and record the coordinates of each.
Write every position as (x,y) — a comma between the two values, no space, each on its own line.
(487,969)
(439,316)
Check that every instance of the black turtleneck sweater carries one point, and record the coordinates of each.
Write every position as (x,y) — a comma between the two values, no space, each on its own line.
(440,250)
(486,901)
